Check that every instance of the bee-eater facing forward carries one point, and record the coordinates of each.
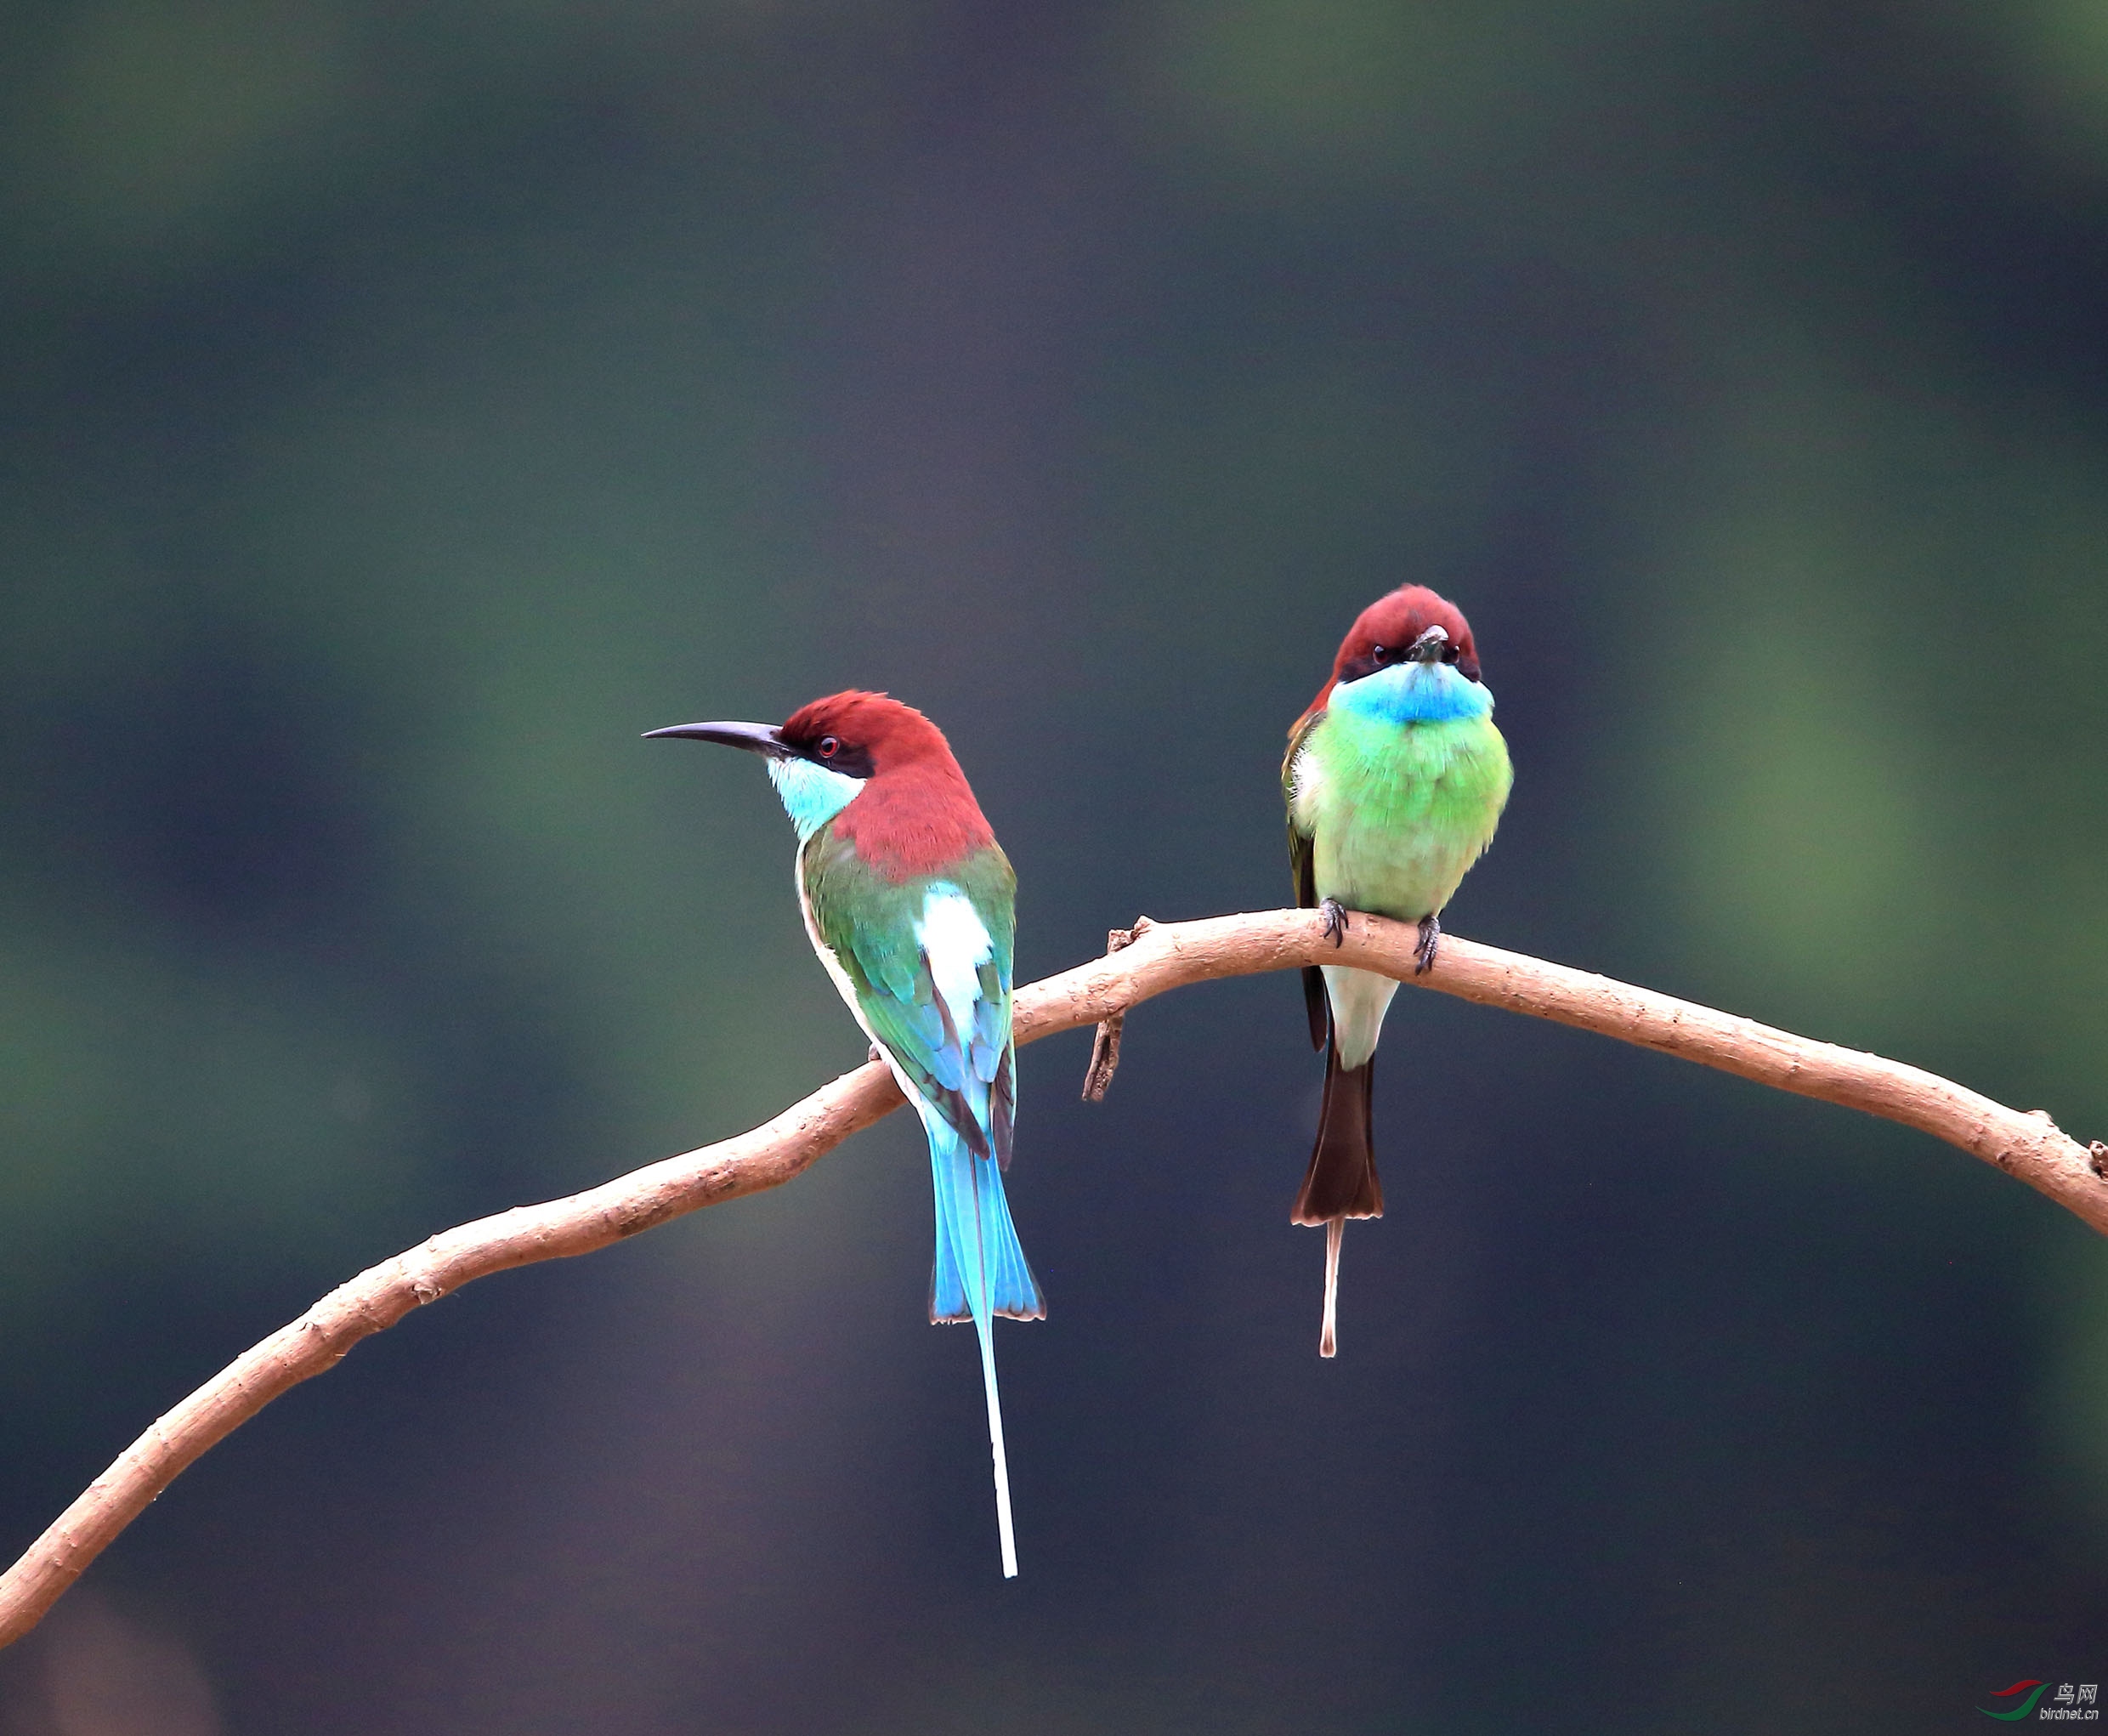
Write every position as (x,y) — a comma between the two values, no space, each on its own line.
(1395,780)
(909,902)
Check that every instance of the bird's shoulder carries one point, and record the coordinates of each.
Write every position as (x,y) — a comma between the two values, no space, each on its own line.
(1300,733)
(1300,770)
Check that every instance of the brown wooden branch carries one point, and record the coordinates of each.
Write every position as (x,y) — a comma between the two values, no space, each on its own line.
(1162,955)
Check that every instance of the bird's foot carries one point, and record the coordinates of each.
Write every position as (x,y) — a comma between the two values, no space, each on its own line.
(1430,941)
(1334,914)
(875,1056)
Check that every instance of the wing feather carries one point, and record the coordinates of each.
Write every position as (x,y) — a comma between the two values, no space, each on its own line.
(956,1053)
(1303,869)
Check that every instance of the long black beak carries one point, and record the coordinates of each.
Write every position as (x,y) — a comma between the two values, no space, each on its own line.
(755,738)
(1428,646)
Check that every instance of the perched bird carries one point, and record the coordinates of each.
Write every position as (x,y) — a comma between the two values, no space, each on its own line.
(910,904)
(1395,779)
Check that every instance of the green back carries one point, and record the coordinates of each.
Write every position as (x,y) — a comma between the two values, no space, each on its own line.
(867,922)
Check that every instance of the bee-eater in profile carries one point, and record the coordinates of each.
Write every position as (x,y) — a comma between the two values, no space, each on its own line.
(1395,779)
(910,904)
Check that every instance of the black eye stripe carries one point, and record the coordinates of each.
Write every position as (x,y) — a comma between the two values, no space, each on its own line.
(1377,657)
(832,753)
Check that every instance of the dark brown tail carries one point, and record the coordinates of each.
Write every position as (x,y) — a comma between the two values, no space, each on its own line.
(1341,1180)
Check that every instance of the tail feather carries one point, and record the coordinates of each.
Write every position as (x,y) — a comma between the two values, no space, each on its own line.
(1004,1532)
(1315,1006)
(980,1272)
(980,1267)
(948,1289)
(1341,1179)
(1328,1331)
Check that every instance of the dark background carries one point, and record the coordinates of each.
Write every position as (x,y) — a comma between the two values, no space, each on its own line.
(405,404)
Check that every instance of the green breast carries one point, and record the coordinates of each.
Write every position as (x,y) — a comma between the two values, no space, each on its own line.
(1396,812)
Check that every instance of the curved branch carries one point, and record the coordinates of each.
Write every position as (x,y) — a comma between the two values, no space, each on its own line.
(1157,957)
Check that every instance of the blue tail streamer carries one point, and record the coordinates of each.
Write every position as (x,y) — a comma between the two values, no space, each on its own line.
(980,1272)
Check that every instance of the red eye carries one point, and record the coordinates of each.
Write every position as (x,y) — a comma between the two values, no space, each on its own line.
(830,746)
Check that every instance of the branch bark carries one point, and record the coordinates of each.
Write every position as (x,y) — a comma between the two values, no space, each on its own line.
(1158,956)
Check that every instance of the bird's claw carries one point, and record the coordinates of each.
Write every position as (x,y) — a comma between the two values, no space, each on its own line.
(1430,941)
(875,1056)
(1334,914)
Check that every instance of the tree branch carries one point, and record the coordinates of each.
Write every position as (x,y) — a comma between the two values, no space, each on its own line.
(1160,956)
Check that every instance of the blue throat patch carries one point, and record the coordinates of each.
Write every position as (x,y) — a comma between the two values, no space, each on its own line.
(812,795)
(1413,693)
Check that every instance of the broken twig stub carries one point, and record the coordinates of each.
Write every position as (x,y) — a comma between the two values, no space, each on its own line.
(1105,1042)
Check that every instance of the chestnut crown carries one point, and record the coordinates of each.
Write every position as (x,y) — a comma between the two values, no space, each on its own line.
(862,734)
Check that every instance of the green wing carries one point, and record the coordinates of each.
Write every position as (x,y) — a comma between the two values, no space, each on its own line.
(966,1070)
(1303,866)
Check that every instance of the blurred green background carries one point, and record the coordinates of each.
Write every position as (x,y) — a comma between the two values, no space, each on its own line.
(404,405)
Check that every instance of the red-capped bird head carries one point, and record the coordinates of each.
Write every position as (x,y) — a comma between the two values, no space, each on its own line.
(915,811)
(1410,625)
(855,735)
(865,735)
